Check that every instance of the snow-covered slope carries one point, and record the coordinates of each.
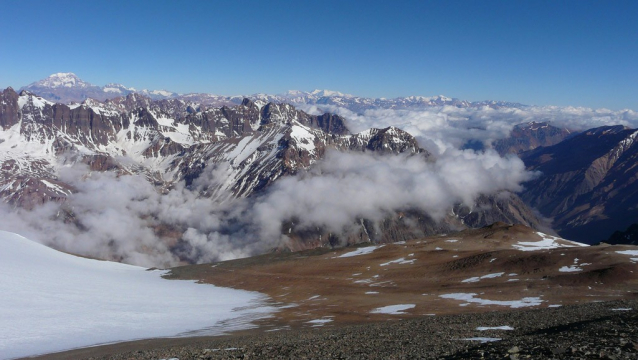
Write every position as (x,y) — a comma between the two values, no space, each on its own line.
(52,301)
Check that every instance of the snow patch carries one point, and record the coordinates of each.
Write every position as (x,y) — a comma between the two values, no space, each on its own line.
(303,137)
(514,304)
(548,242)
(399,261)
(485,328)
(362,251)
(628,252)
(319,322)
(393,309)
(479,278)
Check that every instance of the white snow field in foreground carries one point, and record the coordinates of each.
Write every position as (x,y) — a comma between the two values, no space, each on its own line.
(51,301)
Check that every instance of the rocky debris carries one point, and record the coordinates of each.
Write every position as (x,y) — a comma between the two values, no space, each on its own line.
(611,334)
(587,331)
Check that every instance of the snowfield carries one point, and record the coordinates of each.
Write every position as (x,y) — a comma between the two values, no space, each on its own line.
(52,301)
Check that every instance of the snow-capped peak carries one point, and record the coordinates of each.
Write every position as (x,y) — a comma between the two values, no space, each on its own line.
(58,80)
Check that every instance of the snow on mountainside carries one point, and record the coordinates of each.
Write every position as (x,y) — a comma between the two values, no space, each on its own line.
(52,301)
(62,80)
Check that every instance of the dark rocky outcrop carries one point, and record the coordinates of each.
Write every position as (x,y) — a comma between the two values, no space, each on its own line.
(9,110)
(628,237)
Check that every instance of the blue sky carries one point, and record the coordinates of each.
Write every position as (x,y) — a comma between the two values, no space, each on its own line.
(581,53)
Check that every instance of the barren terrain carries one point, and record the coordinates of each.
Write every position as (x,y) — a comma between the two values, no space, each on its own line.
(425,295)
(495,268)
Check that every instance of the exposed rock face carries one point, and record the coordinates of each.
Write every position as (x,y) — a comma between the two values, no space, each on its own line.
(588,183)
(529,136)
(9,109)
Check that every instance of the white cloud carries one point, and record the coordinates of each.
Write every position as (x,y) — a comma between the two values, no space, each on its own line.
(122,217)
(440,128)
(349,186)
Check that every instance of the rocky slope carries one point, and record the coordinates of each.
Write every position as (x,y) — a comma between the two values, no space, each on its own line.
(588,183)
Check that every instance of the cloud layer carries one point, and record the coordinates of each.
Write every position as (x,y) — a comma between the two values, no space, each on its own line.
(441,128)
(125,218)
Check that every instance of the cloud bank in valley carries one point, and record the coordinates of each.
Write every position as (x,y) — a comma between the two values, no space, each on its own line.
(126,218)
(445,127)
(349,186)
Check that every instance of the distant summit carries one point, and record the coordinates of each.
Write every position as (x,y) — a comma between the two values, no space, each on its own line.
(65,80)
(66,87)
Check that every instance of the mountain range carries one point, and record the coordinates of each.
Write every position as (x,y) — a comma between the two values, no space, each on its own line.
(223,148)
(68,88)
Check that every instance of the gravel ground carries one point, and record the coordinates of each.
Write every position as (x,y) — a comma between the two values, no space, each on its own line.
(588,331)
